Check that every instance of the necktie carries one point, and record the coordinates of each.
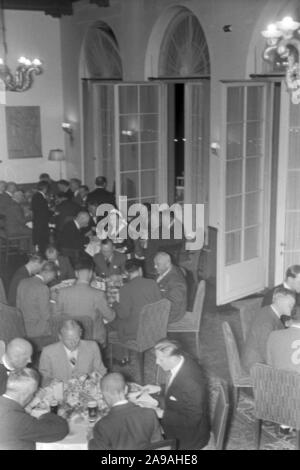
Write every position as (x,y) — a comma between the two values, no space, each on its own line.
(107,262)
(73,361)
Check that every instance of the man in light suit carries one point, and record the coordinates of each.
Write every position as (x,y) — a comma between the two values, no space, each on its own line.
(19,430)
(32,267)
(33,299)
(172,285)
(16,357)
(127,426)
(109,261)
(71,356)
(185,401)
(82,299)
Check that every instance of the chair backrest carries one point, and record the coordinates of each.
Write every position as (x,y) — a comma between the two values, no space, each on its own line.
(2,348)
(233,356)
(3,297)
(11,323)
(220,416)
(276,395)
(85,322)
(153,323)
(168,444)
(248,309)
(198,303)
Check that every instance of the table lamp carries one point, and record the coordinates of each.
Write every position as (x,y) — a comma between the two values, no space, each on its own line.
(57,155)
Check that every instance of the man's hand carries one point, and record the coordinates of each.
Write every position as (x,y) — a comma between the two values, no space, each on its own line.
(159,412)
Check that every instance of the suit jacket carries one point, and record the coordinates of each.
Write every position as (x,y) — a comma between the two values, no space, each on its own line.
(255,349)
(71,237)
(15,220)
(283,349)
(82,299)
(40,219)
(5,202)
(3,379)
(101,196)
(20,431)
(126,427)
(173,287)
(33,299)
(65,211)
(186,407)
(116,266)
(54,363)
(65,269)
(268,297)
(133,296)
(77,198)
(20,274)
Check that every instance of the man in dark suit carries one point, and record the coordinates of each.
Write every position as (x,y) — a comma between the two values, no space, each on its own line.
(133,296)
(72,239)
(100,194)
(32,267)
(64,187)
(184,408)
(266,321)
(109,261)
(19,430)
(291,282)
(40,217)
(75,184)
(172,285)
(64,268)
(66,209)
(17,356)
(126,426)
(45,177)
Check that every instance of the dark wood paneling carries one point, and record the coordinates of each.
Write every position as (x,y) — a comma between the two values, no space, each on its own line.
(55,8)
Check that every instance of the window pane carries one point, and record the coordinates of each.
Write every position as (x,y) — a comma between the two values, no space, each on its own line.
(129,184)
(233,248)
(149,99)
(149,127)
(234,141)
(235,104)
(129,127)
(253,174)
(149,154)
(294,148)
(234,175)
(128,157)
(254,103)
(148,183)
(233,213)
(251,243)
(293,191)
(254,139)
(292,230)
(128,99)
(252,209)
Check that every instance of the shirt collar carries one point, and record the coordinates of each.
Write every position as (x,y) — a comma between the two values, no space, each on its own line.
(40,277)
(121,402)
(71,353)
(41,192)
(175,370)
(163,274)
(4,362)
(275,311)
(77,224)
(295,325)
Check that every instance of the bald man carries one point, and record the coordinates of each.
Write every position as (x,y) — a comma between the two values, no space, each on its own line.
(172,285)
(126,426)
(17,356)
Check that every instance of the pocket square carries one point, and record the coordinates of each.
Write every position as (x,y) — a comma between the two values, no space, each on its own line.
(173,398)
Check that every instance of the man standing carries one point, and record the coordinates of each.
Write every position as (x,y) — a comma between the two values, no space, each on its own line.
(268,320)
(17,356)
(172,285)
(100,194)
(71,356)
(40,217)
(72,239)
(19,430)
(33,299)
(32,267)
(185,410)
(127,426)
(109,261)
(75,184)
(283,346)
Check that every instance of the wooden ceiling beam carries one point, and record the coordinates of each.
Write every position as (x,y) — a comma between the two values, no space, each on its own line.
(55,8)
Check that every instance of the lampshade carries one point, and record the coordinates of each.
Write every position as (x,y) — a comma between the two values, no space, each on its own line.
(56,155)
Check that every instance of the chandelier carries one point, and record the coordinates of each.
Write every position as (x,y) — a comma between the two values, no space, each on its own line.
(22,78)
(283,38)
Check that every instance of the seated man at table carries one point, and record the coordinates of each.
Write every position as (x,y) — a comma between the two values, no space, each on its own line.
(133,296)
(64,267)
(109,261)
(19,430)
(266,321)
(172,285)
(32,267)
(17,355)
(291,282)
(71,356)
(82,299)
(185,402)
(127,426)
(33,299)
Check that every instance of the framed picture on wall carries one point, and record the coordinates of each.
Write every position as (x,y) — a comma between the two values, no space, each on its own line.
(23,127)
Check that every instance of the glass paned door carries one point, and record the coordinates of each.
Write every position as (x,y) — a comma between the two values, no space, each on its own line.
(241,265)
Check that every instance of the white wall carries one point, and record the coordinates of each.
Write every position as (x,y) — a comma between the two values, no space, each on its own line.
(33,34)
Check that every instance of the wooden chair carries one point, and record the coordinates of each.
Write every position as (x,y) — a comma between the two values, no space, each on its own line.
(219,424)
(276,398)
(248,309)
(191,321)
(167,444)
(152,327)
(238,377)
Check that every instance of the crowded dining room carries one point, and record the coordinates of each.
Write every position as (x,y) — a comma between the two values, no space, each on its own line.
(149,250)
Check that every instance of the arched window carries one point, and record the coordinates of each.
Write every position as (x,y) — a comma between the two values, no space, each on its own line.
(184,50)
(101,53)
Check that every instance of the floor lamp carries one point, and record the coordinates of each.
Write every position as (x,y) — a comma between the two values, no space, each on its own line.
(57,155)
